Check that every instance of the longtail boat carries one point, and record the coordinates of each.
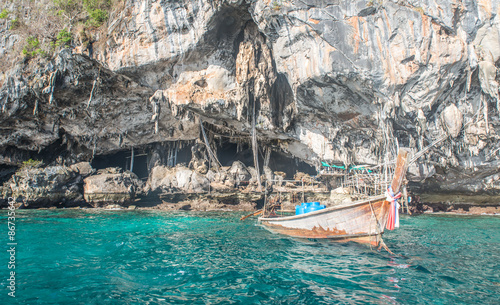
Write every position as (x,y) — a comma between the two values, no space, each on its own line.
(361,221)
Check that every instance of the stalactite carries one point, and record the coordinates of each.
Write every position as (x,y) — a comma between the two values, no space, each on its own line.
(255,148)
(94,147)
(176,145)
(51,87)
(156,100)
(35,109)
(96,81)
(267,157)
(485,112)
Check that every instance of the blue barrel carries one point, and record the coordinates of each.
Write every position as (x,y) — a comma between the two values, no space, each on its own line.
(314,206)
(299,210)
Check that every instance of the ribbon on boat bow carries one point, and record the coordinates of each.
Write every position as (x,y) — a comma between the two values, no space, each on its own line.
(393,219)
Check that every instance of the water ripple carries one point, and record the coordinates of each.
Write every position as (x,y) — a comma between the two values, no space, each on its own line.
(147,257)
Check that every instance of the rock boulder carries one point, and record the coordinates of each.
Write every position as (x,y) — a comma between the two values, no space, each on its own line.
(39,187)
(111,185)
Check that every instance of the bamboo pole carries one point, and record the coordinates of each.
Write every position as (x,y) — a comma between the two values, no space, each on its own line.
(132,160)
(207,144)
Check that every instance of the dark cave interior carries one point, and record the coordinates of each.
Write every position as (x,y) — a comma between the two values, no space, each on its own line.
(169,154)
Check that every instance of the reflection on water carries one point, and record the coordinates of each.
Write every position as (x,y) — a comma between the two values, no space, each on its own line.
(149,257)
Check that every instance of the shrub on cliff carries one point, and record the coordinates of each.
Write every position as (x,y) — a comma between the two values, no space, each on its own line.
(64,38)
(31,164)
(32,47)
(93,12)
(46,25)
(4,14)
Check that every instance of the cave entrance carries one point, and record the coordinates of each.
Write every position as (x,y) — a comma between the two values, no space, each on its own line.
(282,162)
(122,159)
(228,152)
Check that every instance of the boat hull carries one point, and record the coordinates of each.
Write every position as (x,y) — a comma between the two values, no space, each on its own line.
(362,221)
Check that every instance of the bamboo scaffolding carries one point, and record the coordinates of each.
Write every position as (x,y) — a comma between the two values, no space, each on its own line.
(207,144)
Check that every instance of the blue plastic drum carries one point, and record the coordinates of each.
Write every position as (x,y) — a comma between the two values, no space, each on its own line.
(299,210)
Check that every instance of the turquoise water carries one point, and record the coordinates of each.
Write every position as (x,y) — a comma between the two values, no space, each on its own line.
(150,257)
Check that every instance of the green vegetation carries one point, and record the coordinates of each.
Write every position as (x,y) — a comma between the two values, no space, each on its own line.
(4,14)
(58,22)
(63,38)
(93,12)
(31,163)
(420,10)
(97,10)
(14,24)
(97,18)
(32,48)
(276,4)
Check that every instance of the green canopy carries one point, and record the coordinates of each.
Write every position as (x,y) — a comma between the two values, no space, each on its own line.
(337,166)
(333,165)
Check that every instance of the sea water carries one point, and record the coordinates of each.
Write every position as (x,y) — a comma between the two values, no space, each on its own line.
(157,257)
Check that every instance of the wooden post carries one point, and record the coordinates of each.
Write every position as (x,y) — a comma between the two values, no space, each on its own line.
(209,164)
(405,199)
(264,208)
(132,160)
(303,197)
(400,170)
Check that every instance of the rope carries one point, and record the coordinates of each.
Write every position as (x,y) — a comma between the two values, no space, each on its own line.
(423,151)
(383,245)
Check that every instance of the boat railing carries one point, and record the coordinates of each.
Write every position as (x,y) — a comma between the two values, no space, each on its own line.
(275,188)
(367,184)
(306,185)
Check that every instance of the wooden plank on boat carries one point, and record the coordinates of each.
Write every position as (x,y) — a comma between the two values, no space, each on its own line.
(400,170)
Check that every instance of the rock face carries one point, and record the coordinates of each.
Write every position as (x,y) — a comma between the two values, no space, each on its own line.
(344,81)
(180,179)
(111,185)
(40,187)
(452,120)
(83,168)
(177,179)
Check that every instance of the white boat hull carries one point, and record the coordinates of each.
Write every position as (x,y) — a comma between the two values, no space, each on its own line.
(362,221)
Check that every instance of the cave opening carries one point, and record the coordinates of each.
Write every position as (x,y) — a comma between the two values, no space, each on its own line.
(146,157)
(170,153)
(122,159)
(6,172)
(290,165)
(228,152)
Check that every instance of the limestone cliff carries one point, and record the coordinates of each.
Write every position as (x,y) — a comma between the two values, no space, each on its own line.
(344,81)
